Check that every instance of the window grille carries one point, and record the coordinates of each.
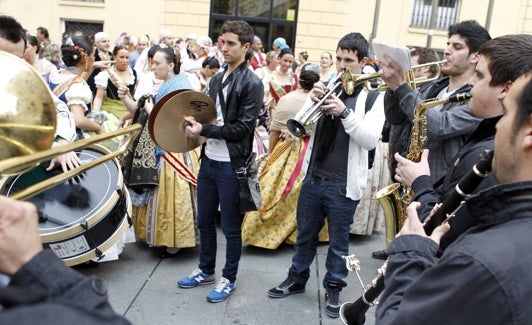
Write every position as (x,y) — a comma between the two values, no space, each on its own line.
(446,15)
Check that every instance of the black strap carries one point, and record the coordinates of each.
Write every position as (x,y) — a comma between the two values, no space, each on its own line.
(370,100)
(221,93)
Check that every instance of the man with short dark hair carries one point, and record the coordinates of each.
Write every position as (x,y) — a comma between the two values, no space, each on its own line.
(228,146)
(335,166)
(44,40)
(449,124)
(501,61)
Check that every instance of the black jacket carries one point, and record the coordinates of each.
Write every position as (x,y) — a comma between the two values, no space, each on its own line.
(484,277)
(45,291)
(244,99)
(465,159)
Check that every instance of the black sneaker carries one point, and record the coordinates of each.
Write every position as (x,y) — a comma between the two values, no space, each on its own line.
(380,255)
(332,301)
(286,288)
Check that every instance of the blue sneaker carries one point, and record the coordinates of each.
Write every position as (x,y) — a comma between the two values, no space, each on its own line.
(196,278)
(223,289)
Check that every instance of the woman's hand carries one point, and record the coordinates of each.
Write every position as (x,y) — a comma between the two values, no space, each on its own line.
(67,161)
(123,92)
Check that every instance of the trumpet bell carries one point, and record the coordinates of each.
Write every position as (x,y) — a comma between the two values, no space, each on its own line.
(27,113)
(296,128)
(166,124)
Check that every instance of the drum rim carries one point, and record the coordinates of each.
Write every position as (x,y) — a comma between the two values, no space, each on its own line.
(120,230)
(102,247)
(75,229)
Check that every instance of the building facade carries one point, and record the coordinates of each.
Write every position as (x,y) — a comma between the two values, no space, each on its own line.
(314,26)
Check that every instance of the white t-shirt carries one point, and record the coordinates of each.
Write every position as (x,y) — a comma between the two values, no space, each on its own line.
(216,149)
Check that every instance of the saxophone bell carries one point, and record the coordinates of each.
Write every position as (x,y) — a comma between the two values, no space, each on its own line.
(394,214)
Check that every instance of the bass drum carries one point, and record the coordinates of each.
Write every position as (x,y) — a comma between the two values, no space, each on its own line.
(83,217)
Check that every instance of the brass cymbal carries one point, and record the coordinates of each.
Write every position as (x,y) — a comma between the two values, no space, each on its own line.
(166,124)
(27,114)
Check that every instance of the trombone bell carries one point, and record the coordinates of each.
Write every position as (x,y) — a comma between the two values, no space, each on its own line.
(27,114)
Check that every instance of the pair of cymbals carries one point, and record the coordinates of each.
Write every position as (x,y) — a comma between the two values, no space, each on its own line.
(166,124)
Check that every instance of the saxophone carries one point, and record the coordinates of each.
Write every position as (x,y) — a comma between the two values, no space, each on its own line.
(393,203)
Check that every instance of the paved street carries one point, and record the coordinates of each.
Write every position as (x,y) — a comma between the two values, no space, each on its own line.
(142,286)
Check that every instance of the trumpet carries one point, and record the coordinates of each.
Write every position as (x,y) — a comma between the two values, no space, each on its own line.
(373,81)
(310,114)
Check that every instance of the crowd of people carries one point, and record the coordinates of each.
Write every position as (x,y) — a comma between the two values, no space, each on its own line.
(317,185)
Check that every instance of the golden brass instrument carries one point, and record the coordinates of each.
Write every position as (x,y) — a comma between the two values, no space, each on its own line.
(28,123)
(393,202)
(27,114)
(373,81)
(19,164)
(311,113)
(394,214)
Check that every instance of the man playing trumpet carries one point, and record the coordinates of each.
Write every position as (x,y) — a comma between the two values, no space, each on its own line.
(447,125)
(336,168)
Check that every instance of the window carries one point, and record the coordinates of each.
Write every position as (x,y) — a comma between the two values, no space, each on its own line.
(80,28)
(93,1)
(269,18)
(446,15)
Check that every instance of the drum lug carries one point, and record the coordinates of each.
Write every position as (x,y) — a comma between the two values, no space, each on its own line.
(97,251)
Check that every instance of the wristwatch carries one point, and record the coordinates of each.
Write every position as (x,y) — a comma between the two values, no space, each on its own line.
(345,113)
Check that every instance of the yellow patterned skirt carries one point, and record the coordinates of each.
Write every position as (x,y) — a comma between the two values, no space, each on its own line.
(275,222)
(109,117)
(169,217)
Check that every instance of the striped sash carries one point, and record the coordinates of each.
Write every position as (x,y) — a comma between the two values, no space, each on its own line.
(180,168)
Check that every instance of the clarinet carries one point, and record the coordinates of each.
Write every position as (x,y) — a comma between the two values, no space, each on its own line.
(355,312)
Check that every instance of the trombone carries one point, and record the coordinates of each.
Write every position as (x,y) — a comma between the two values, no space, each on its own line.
(28,124)
(373,81)
(311,113)
(16,165)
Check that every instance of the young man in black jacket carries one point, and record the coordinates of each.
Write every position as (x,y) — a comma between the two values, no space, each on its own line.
(229,144)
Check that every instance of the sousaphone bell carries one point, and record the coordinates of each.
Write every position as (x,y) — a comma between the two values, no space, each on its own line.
(27,114)
(166,124)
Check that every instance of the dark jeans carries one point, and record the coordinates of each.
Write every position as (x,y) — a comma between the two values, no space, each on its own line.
(319,199)
(218,186)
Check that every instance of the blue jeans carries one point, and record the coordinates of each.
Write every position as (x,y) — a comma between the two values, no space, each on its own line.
(218,186)
(319,199)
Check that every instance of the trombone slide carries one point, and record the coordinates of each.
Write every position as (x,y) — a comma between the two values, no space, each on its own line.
(16,164)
